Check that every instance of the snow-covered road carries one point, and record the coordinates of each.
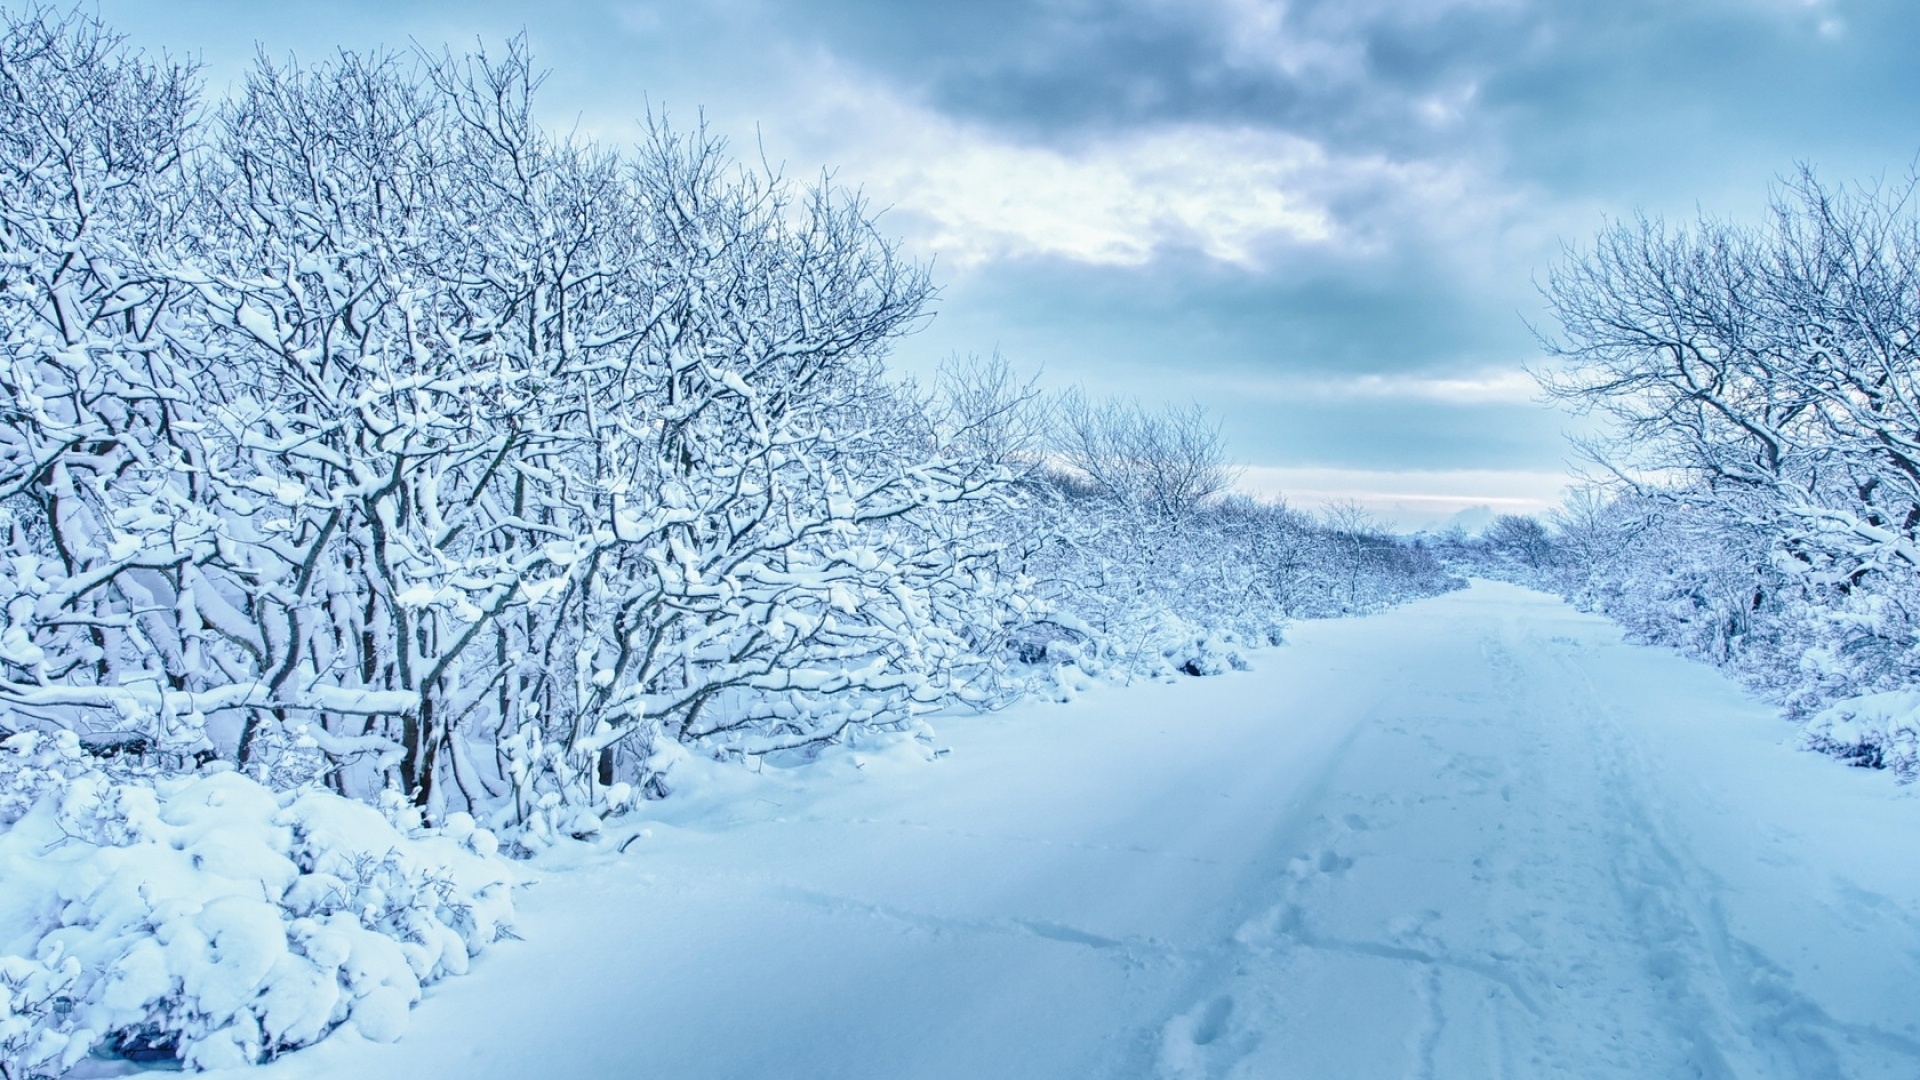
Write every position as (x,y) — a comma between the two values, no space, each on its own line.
(1474,837)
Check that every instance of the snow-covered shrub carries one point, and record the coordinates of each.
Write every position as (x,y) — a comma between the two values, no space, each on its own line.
(1881,731)
(554,797)
(35,996)
(207,918)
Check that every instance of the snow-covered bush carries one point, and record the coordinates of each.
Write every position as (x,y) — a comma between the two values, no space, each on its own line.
(1881,731)
(207,918)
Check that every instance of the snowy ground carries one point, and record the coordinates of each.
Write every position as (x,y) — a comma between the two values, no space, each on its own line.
(1475,837)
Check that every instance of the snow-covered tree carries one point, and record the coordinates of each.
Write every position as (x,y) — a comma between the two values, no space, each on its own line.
(1764,438)
(103,515)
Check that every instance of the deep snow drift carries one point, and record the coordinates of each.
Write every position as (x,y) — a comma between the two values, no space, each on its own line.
(1478,836)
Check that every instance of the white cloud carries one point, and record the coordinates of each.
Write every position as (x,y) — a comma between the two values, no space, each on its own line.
(974,195)
(1408,498)
(1489,386)
(1224,193)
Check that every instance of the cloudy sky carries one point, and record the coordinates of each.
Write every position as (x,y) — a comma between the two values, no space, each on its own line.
(1320,219)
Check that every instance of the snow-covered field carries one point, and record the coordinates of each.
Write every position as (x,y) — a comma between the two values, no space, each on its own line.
(1477,836)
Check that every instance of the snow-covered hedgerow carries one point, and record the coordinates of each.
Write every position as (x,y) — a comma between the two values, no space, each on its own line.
(1143,563)
(358,425)
(361,428)
(1760,386)
(207,918)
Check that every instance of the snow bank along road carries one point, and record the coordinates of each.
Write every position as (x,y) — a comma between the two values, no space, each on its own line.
(1475,837)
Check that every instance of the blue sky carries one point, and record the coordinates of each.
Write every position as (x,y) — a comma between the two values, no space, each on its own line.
(1322,220)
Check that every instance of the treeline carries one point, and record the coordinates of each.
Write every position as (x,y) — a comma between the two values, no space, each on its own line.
(1761,386)
(360,431)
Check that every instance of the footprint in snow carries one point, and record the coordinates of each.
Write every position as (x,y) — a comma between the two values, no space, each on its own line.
(1198,1042)
(1324,861)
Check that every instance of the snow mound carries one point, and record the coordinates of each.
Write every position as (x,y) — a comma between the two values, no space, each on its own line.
(1162,647)
(1880,731)
(208,919)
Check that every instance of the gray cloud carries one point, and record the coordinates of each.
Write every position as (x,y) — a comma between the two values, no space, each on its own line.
(1652,95)
(1367,74)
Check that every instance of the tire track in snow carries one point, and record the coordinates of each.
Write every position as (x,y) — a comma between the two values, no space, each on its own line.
(1566,846)
(1648,880)
(1134,949)
(1744,1015)
(1433,1027)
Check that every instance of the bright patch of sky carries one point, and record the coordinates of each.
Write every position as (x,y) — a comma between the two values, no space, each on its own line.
(1322,219)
